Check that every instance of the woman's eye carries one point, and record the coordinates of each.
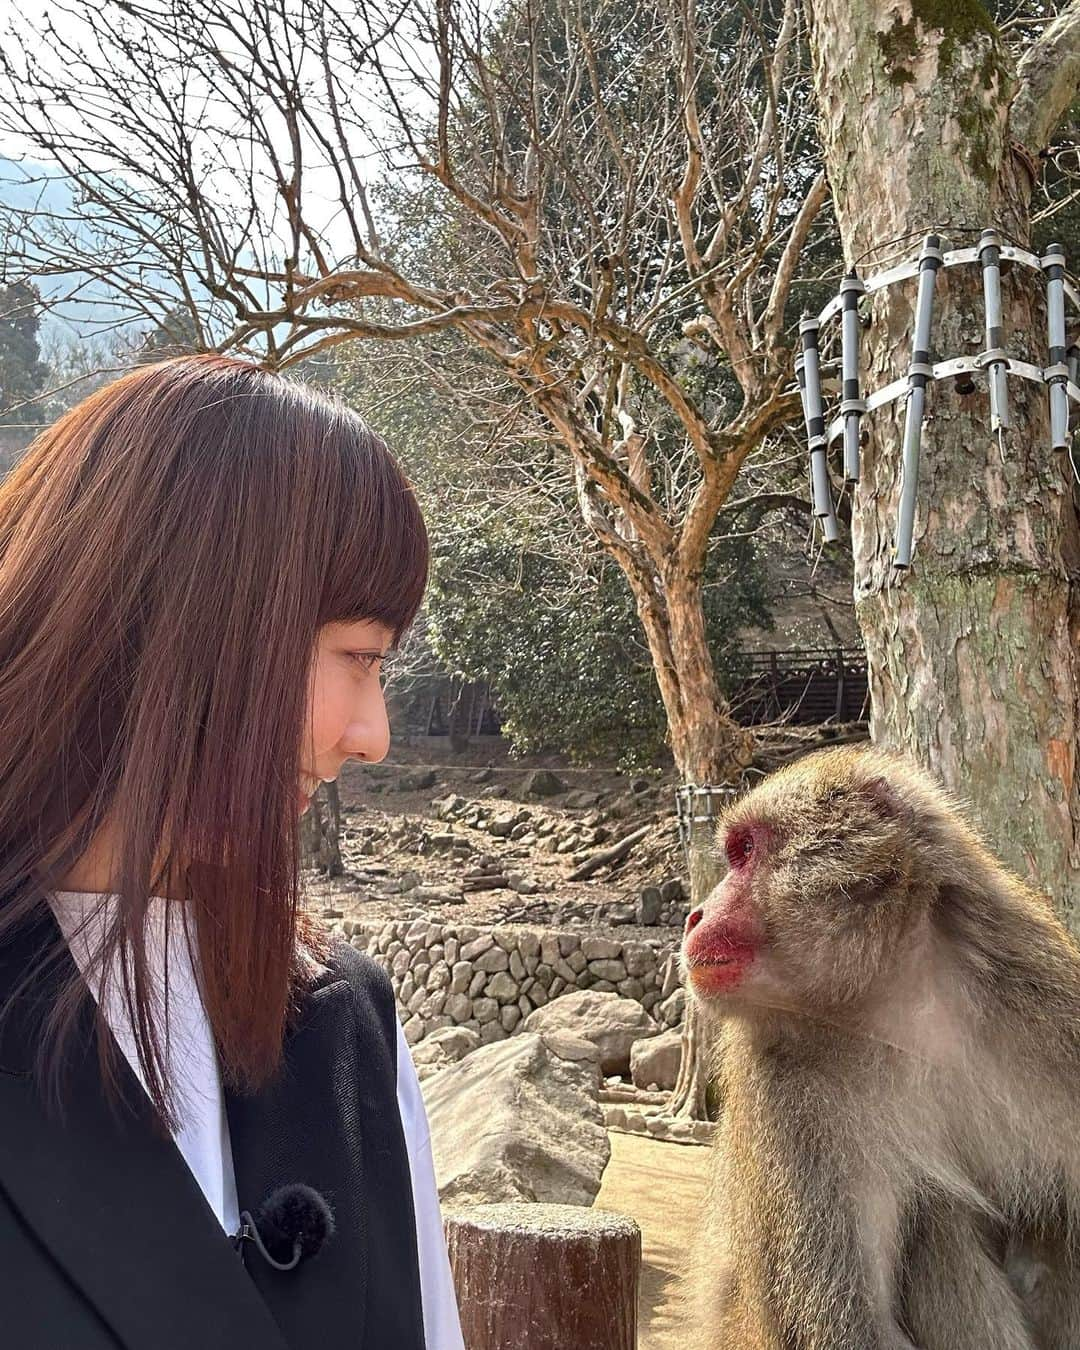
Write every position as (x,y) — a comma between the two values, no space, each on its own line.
(366,659)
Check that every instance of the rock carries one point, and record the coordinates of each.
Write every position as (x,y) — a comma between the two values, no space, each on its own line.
(672,1009)
(494,959)
(482,776)
(603,970)
(458,1006)
(503,824)
(638,958)
(543,783)
(672,890)
(471,950)
(485,1009)
(622,914)
(612,1023)
(600,949)
(419,782)
(517,1121)
(647,912)
(502,987)
(439,974)
(656,1060)
(461,977)
(670,978)
(414,1030)
(445,1046)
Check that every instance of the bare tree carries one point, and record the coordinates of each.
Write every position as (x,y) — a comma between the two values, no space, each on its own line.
(610,180)
(624,193)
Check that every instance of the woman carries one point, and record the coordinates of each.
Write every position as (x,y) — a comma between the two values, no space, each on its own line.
(211,1133)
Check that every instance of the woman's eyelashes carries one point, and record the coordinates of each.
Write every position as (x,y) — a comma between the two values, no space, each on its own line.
(368,660)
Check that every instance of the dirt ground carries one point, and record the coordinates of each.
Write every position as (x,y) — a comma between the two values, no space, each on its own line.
(659,1185)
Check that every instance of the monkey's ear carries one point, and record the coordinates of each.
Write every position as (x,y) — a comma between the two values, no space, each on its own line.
(883,797)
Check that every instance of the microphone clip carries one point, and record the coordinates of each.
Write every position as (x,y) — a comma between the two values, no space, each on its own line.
(291,1225)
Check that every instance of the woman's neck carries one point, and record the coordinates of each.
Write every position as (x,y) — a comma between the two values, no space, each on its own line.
(96,872)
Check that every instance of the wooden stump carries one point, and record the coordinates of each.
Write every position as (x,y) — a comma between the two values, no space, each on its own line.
(545,1277)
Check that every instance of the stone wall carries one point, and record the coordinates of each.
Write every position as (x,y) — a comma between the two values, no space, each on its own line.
(447,974)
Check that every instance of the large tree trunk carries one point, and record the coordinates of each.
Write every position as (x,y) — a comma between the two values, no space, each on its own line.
(973,652)
(708,747)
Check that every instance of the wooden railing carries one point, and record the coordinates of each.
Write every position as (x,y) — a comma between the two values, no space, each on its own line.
(804,687)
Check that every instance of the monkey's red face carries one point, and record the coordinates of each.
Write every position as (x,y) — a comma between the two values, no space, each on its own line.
(719,953)
(816,897)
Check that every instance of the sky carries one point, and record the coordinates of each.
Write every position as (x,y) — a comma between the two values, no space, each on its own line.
(221,155)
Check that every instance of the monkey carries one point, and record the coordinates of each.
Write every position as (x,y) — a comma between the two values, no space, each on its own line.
(894,1021)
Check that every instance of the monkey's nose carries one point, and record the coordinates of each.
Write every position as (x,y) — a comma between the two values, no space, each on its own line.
(692,920)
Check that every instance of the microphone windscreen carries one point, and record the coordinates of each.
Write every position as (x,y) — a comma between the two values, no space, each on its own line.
(293,1213)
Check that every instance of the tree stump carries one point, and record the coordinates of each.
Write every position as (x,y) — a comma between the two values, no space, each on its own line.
(545,1277)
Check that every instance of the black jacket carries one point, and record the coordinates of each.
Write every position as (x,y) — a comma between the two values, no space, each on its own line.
(106,1239)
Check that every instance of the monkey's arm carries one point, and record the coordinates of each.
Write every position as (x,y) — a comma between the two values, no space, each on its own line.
(813,1220)
(956,1294)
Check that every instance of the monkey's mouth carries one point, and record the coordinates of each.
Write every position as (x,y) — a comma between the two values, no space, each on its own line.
(719,972)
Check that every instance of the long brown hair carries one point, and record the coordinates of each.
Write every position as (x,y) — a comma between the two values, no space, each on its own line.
(169,550)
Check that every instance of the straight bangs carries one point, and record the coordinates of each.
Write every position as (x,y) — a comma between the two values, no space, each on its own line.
(169,550)
(377,562)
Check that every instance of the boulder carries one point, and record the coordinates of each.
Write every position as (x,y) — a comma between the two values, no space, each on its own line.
(446,1046)
(656,1061)
(518,1120)
(612,1023)
(543,783)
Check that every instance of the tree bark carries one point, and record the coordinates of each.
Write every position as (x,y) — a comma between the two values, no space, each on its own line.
(320,828)
(462,705)
(689,1096)
(972,652)
(708,746)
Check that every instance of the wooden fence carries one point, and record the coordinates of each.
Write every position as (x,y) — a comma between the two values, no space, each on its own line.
(806,688)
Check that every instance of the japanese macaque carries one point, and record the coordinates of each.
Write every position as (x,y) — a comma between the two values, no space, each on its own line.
(896,1021)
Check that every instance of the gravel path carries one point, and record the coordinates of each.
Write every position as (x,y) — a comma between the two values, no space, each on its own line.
(659,1185)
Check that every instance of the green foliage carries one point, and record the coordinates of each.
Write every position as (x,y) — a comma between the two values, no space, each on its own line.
(22,372)
(561,643)
(176,335)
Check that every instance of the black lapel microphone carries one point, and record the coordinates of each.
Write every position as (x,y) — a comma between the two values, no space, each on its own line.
(291,1225)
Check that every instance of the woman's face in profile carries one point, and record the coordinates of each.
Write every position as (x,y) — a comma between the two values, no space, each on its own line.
(346,710)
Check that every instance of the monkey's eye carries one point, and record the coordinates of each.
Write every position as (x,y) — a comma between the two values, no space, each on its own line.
(740,846)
